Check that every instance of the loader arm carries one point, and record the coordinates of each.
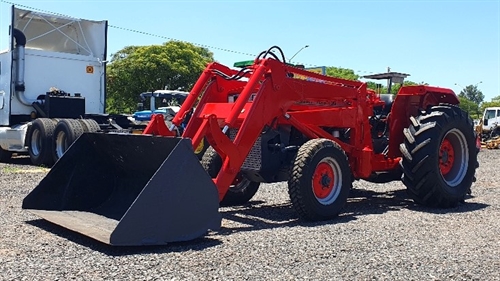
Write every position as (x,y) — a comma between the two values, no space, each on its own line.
(279,98)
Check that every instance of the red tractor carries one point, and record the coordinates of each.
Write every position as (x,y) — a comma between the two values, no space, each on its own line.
(265,123)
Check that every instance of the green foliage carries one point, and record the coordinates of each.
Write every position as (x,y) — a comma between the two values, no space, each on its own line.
(136,69)
(471,100)
(469,106)
(343,73)
(473,94)
(378,86)
(394,89)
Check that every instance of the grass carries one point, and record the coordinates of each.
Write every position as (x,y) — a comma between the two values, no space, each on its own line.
(11,170)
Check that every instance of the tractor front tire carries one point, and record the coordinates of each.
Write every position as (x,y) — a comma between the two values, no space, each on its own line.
(65,133)
(320,180)
(40,141)
(201,149)
(439,156)
(240,192)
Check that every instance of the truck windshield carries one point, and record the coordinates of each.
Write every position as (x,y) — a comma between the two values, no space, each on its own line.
(490,114)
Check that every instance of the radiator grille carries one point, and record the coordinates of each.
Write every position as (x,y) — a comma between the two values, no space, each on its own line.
(253,162)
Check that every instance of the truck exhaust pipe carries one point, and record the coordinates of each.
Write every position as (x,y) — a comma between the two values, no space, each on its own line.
(19,56)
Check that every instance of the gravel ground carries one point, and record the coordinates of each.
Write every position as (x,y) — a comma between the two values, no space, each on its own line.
(381,235)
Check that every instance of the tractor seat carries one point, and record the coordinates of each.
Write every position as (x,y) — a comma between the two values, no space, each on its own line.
(384,110)
(388,99)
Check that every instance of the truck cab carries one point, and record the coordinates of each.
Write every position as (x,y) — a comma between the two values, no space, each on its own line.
(491,118)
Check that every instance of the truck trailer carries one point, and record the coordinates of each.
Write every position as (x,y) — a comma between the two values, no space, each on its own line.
(53,85)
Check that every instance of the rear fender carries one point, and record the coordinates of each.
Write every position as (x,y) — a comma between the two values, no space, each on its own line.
(409,101)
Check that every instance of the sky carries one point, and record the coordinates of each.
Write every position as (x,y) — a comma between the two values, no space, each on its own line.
(448,44)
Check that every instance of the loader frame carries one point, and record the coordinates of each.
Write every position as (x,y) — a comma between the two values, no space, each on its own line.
(272,96)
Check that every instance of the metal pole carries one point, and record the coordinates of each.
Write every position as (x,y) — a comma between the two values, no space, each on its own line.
(298,52)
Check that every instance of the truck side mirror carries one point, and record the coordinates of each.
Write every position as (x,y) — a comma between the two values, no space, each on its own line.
(485,122)
(140,106)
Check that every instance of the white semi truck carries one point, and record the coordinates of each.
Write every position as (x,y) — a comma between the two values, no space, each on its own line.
(53,85)
(489,125)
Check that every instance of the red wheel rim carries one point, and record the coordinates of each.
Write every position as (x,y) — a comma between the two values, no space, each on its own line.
(323,180)
(446,157)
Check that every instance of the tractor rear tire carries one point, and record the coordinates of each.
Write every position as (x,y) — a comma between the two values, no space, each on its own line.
(439,157)
(237,194)
(320,180)
(65,133)
(39,142)
(5,155)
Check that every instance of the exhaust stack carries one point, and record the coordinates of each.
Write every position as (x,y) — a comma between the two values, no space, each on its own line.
(19,56)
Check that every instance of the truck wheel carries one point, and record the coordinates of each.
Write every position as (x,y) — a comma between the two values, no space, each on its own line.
(242,189)
(40,141)
(439,157)
(89,125)
(320,180)
(65,133)
(5,155)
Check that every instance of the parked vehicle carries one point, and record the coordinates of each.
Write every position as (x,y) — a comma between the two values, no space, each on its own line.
(169,101)
(488,127)
(53,86)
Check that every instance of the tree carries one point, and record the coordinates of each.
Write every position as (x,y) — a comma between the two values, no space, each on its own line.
(473,94)
(379,87)
(136,69)
(394,89)
(340,72)
(468,106)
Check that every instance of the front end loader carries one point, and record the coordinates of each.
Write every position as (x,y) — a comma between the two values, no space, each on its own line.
(266,122)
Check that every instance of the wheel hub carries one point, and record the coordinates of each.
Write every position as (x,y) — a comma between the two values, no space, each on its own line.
(323,180)
(446,157)
(36,142)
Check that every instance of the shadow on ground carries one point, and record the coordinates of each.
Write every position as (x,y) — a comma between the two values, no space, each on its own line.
(193,245)
(257,215)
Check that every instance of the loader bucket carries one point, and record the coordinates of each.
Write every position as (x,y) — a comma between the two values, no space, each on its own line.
(129,190)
